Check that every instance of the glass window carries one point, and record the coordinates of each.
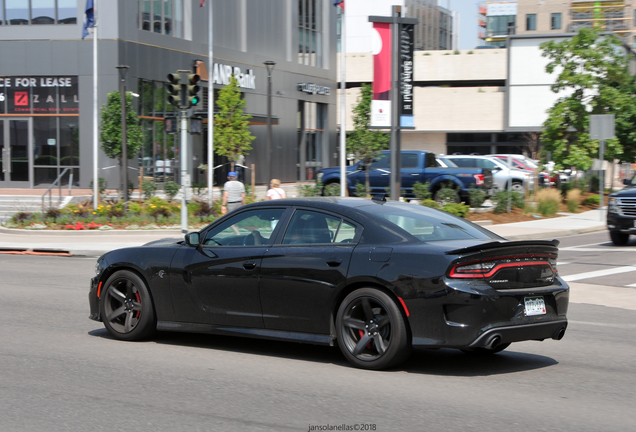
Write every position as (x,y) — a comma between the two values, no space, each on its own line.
(17,12)
(309,227)
(253,227)
(427,225)
(346,233)
(409,160)
(45,142)
(69,141)
(167,17)
(310,32)
(555,21)
(531,21)
(67,11)
(162,16)
(42,11)
(382,161)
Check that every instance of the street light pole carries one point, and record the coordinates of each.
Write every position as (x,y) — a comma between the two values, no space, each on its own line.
(269,64)
(123,69)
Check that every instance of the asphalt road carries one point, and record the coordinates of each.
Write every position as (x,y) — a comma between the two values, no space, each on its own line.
(59,371)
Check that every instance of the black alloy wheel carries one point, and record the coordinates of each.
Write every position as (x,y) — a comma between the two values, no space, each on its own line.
(619,238)
(126,307)
(371,330)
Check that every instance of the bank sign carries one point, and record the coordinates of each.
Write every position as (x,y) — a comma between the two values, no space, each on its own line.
(39,95)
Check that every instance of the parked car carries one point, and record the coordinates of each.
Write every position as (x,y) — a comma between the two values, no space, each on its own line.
(518,161)
(501,172)
(417,166)
(376,278)
(621,213)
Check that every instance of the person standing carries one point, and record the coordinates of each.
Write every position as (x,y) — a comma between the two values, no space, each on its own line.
(233,194)
(275,191)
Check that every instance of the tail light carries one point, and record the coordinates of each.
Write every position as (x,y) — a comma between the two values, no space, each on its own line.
(479,179)
(489,267)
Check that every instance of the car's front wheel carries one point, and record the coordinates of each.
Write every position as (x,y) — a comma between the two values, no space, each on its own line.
(371,330)
(126,307)
(619,238)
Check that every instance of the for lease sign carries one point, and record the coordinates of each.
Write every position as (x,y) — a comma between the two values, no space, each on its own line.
(39,95)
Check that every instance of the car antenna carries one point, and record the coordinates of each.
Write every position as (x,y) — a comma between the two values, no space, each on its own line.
(381,197)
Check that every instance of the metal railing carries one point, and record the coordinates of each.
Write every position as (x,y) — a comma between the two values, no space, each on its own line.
(59,184)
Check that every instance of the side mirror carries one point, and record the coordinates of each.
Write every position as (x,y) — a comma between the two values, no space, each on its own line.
(361,167)
(192,239)
(627,182)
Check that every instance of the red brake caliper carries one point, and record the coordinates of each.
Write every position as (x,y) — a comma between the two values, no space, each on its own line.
(361,332)
(138,301)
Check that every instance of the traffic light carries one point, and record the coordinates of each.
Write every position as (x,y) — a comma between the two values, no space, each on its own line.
(193,89)
(174,89)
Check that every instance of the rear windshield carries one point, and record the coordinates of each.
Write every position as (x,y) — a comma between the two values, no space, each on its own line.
(428,225)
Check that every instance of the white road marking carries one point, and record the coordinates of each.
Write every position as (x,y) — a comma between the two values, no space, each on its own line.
(599,273)
(631,285)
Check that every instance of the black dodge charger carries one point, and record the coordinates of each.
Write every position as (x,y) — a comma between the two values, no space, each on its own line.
(378,278)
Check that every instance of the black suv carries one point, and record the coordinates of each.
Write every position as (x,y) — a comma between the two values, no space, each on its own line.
(621,213)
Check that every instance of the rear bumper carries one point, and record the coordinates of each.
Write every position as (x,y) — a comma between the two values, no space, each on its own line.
(539,331)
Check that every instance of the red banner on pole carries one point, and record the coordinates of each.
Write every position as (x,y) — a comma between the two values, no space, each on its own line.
(381,104)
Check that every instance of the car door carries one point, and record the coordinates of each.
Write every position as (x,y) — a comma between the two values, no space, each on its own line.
(217,282)
(379,175)
(301,274)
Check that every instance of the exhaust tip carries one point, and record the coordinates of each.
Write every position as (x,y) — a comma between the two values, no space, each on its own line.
(558,335)
(493,342)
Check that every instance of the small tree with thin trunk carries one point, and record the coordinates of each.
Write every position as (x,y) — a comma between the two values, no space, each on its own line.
(111,127)
(365,143)
(232,137)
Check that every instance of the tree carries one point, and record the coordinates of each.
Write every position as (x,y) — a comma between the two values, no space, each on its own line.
(111,126)
(231,133)
(365,143)
(593,73)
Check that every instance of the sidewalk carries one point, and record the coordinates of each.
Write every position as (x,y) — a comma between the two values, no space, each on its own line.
(95,243)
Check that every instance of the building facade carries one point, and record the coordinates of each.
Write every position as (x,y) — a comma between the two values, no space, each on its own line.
(560,16)
(46,84)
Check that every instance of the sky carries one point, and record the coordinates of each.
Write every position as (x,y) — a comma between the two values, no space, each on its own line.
(468,27)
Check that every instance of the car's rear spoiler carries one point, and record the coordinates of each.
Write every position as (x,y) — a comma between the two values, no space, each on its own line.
(499,244)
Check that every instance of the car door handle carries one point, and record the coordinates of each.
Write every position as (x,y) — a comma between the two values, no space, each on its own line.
(334,262)
(249,265)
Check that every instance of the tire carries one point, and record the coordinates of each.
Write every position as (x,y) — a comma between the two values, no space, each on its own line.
(126,307)
(371,330)
(518,187)
(486,351)
(619,238)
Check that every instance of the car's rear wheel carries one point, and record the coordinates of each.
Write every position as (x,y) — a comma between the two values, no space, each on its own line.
(619,238)
(447,195)
(126,307)
(371,330)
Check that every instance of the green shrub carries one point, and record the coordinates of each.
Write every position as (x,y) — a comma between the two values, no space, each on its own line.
(148,188)
(332,189)
(431,203)
(361,190)
(501,201)
(592,200)
(135,208)
(446,195)
(102,184)
(594,180)
(422,191)
(476,196)
(310,190)
(171,189)
(457,209)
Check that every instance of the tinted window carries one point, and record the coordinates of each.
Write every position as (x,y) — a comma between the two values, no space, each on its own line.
(382,161)
(309,227)
(409,160)
(429,225)
(486,163)
(464,162)
(254,227)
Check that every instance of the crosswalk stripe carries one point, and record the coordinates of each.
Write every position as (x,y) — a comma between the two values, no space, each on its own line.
(599,273)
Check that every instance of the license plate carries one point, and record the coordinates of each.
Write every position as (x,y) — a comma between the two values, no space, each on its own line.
(534,306)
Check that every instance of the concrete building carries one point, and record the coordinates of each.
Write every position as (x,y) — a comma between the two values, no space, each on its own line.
(46,83)
(561,16)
